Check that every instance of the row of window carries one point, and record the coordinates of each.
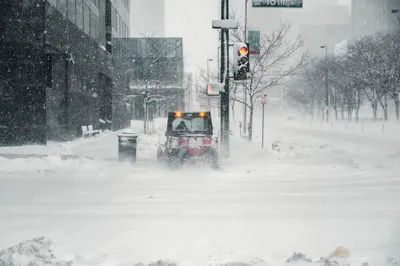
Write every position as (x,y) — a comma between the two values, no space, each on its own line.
(127,4)
(118,24)
(96,3)
(80,14)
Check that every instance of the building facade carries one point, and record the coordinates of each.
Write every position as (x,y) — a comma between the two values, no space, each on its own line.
(372,16)
(154,66)
(58,68)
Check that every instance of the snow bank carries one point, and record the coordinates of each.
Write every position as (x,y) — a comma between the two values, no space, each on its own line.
(298,257)
(35,252)
(298,152)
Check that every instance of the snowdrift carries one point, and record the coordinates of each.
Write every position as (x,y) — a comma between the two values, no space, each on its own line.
(35,252)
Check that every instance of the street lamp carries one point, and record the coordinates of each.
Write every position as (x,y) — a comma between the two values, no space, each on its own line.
(326,82)
(208,69)
(208,80)
(263,102)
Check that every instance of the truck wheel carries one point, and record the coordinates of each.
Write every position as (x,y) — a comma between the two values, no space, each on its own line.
(173,159)
(214,159)
(160,154)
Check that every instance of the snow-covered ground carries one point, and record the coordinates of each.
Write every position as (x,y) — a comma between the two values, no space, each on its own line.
(321,190)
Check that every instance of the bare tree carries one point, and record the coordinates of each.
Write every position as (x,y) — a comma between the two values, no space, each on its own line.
(157,62)
(272,66)
(368,73)
(369,66)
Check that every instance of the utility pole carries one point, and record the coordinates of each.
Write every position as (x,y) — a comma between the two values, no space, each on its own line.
(208,81)
(244,84)
(225,80)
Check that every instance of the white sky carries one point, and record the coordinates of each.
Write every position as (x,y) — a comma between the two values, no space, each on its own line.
(192,20)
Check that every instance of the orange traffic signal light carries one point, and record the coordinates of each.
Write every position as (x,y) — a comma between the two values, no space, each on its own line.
(210,89)
(241,61)
(243,51)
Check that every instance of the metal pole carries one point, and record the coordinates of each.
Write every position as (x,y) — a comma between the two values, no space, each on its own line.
(208,72)
(245,21)
(219,67)
(208,81)
(262,127)
(225,80)
(326,84)
(244,87)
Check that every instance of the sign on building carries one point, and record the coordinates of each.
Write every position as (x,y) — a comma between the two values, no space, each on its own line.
(254,38)
(278,3)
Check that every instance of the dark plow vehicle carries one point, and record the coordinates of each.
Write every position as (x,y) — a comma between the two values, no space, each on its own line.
(189,138)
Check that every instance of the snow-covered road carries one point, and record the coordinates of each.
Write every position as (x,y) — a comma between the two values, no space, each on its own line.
(313,196)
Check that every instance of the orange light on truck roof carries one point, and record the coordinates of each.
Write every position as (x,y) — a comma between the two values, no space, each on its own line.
(178,114)
(202,114)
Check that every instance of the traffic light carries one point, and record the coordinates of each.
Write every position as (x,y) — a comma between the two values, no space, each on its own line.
(241,60)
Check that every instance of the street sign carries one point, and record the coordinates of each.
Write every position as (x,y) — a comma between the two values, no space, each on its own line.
(225,24)
(278,3)
(254,41)
(214,89)
(264,99)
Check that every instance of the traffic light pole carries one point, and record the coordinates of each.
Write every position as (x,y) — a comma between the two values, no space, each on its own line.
(225,80)
(244,84)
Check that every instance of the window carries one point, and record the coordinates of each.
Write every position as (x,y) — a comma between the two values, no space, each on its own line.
(61,6)
(52,2)
(79,13)
(171,46)
(126,4)
(114,18)
(120,25)
(93,25)
(96,2)
(191,124)
(86,17)
(71,11)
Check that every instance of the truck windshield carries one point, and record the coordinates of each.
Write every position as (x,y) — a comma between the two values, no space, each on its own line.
(195,124)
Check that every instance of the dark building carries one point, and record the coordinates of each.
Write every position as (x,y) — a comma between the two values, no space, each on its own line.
(154,66)
(58,70)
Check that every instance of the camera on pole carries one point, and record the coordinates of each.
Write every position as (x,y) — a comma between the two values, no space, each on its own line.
(241,60)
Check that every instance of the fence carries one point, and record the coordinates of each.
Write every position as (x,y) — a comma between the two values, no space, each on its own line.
(363,126)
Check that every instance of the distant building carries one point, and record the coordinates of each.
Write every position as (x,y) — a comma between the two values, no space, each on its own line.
(147,18)
(372,16)
(58,68)
(154,66)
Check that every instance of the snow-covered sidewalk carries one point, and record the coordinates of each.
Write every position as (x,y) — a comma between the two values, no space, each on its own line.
(81,147)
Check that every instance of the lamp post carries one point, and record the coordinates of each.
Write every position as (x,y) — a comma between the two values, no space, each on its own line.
(208,80)
(263,102)
(326,83)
